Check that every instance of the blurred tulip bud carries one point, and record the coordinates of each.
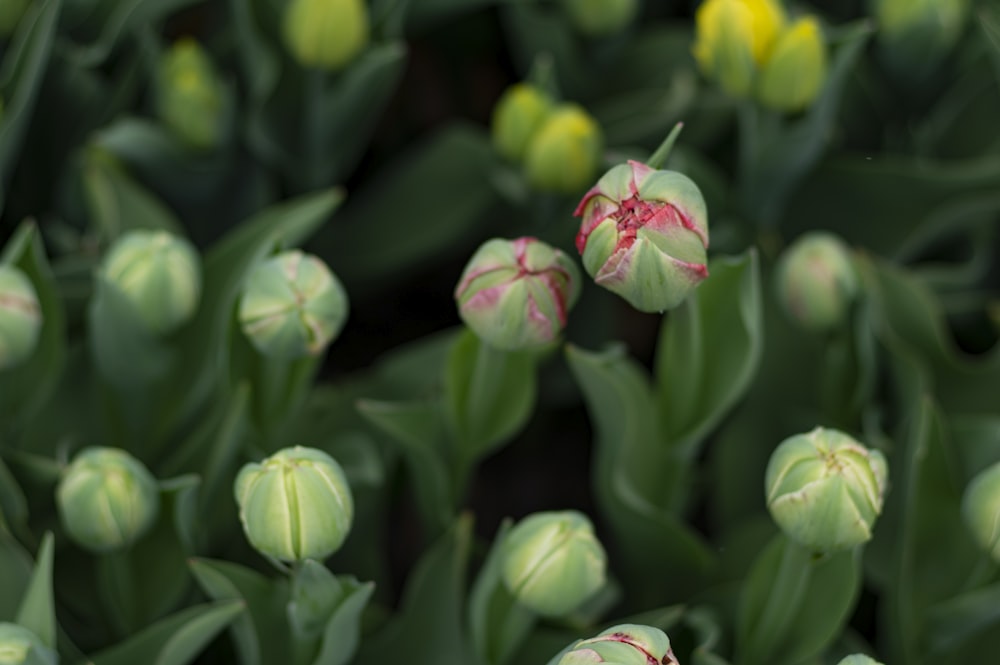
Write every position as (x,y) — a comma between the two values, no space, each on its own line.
(326,34)
(733,39)
(553,562)
(20,646)
(292,306)
(517,117)
(190,95)
(794,74)
(515,294)
(825,490)
(159,274)
(915,36)
(817,281)
(599,18)
(11,12)
(564,153)
(107,499)
(625,644)
(295,505)
(20,317)
(644,235)
(981,509)
(859,659)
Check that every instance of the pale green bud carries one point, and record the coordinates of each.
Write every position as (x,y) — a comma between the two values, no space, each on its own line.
(563,155)
(601,17)
(816,281)
(326,34)
(644,235)
(107,499)
(981,510)
(734,38)
(794,74)
(190,95)
(20,317)
(11,12)
(859,659)
(825,490)
(292,306)
(915,36)
(519,114)
(516,294)
(553,562)
(159,274)
(625,644)
(20,646)
(295,505)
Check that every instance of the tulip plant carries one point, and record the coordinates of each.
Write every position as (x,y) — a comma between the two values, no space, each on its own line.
(343,332)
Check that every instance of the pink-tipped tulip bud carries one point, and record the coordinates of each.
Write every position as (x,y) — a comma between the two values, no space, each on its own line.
(515,294)
(625,644)
(644,235)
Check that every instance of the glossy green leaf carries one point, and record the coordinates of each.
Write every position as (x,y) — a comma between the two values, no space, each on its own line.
(125,18)
(709,633)
(341,635)
(962,618)
(37,612)
(15,571)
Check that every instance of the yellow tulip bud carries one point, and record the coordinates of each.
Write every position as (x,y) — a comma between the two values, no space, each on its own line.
(326,34)
(796,70)
(734,38)
(564,154)
(517,117)
(916,35)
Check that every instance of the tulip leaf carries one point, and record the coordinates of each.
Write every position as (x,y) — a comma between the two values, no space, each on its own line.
(15,571)
(341,635)
(37,612)
(536,31)
(961,620)
(13,502)
(126,16)
(315,593)
(705,624)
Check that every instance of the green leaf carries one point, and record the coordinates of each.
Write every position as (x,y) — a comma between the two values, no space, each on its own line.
(15,571)
(37,612)
(315,594)
(706,625)
(341,636)
(126,16)
(962,618)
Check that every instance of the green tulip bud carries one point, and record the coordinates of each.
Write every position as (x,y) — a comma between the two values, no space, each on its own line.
(981,510)
(190,95)
(915,36)
(858,659)
(601,17)
(517,117)
(794,74)
(107,499)
(825,490)
(644,235)
(553,562)
(326,34)
(20,646)
(817,281)
(565,152)
(625,644)
(295,505)
(515,294)
(734,38)
(292,306)
(159,274)
(11,12)
(20,317)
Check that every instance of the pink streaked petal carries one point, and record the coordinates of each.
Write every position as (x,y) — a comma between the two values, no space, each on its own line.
(591,193)
(486,298)
(538,320)
(602,208)
(639,173)
(472,275)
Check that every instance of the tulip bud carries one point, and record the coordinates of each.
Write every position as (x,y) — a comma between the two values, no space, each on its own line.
(11,12)
(915,36)
(625,644)
(552,562)
(20,317)
(825,490)
(159,274)
(733,38)
(517,117)
(107,499)
(981,510)
(292,306)
(794,74)
(295,505)
(816,281)
(599,18)
(20,646)
(326,34)
(644,235)
(515,294)
(190,96)
(858,659)
(565,152)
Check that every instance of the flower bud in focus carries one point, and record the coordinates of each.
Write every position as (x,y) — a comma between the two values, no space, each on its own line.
(20,646)
(825,490)
(858,659)
(644,235)
(599,18)
(326,34)
(295,505)
(553,562)
(981,510)
(517,117)
(107,499)
(915,36)
(794,74)
(816,281)
(733,39)
(20,317)
(292,306)
(625,644)
(11,12)
(564,153)
(190,95)
(515,294)
(159,274)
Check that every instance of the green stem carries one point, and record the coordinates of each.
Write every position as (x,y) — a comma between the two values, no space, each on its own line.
(658,158)
(787,593)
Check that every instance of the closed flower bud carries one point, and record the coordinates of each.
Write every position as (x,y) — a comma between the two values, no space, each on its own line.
(159,274)
(644,235)
(733,39)
(565,152)
(295,504)
(825,490)
(858,659)
(517,117)
(601,17)
(20,317)
(915,36)
(817,281)
(190,95)
(553,562)
(107,499)
(794,74)
(981,510)
(10,14)
(292,306)
(515,294)
(326,34)
(625,644)
(20,646)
